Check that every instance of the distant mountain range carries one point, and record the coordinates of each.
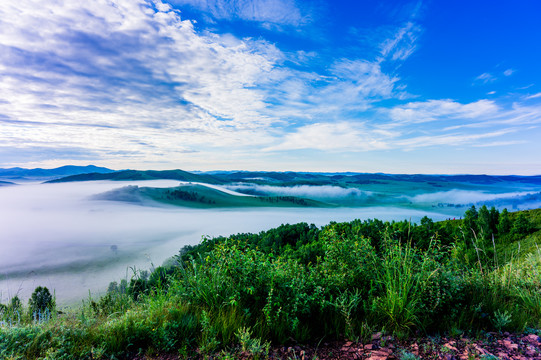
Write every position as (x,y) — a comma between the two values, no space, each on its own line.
(71,173)
(20,174)
(137,175)
(262,188)
(288,178)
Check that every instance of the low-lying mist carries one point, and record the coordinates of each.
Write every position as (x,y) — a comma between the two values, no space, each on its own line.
(327,193)
(61,236)
(491,196)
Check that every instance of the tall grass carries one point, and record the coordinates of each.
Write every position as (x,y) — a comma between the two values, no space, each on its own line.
(403,276)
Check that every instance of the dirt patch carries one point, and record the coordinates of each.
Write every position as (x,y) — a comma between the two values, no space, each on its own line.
(492,346)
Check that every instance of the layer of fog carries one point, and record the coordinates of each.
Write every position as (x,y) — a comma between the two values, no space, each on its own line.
(315,192)
(492,196)
(55,235)
(468,197)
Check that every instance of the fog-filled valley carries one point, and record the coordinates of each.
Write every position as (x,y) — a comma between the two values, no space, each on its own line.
(70,237)
(59,236)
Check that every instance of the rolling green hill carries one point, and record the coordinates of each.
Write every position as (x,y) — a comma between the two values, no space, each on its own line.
(137,175)
(200,196)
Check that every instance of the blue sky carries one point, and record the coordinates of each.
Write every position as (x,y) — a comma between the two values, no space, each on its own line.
(367,86)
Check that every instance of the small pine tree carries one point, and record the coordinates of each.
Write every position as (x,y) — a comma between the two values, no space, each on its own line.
(470,223)
(15,303)
(504,223)
(494,219)
(41,300)
(483,223)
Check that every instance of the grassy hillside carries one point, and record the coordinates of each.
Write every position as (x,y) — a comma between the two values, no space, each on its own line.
(200,196)
(204,196)
(303,283)
(137,175)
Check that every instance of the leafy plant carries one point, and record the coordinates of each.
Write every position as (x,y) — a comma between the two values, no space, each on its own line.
(501,319)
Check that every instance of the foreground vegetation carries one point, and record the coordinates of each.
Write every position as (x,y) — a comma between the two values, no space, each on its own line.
(302,283)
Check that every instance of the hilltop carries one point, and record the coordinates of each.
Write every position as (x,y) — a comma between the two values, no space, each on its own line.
(38,174)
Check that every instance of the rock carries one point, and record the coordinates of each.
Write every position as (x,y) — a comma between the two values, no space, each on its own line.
(450,347)
(368,347)
(479,349)
(376,336)
(509,345)
(378,355)
(415,349)
(532,339)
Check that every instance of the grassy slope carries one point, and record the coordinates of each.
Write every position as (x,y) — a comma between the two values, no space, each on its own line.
(205,197)
(136,175)
(201,196)
(215,302)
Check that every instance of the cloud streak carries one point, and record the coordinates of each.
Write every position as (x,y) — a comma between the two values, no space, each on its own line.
(277,12)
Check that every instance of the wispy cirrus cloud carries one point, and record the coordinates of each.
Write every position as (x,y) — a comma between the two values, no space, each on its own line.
(433,110)
(333,137)
(403,43)
(509,72)
(491,77)
(485,78)
(534,96)
(450,139)
(278,12)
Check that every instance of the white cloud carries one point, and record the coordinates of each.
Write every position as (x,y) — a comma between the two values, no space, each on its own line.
(509,72)
(461,197)
(518,114)
(433,110)
(280,12)
(327,192)
(331,136)
(456,139)
(500,143)
(361,79)
(534,96)
(402,44)
(485,78)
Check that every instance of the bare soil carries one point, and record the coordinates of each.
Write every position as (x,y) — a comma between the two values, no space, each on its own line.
(503,346)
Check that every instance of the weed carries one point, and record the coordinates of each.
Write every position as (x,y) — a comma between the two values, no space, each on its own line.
(252,346)
(501,319)
(403,354)
(209,340)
